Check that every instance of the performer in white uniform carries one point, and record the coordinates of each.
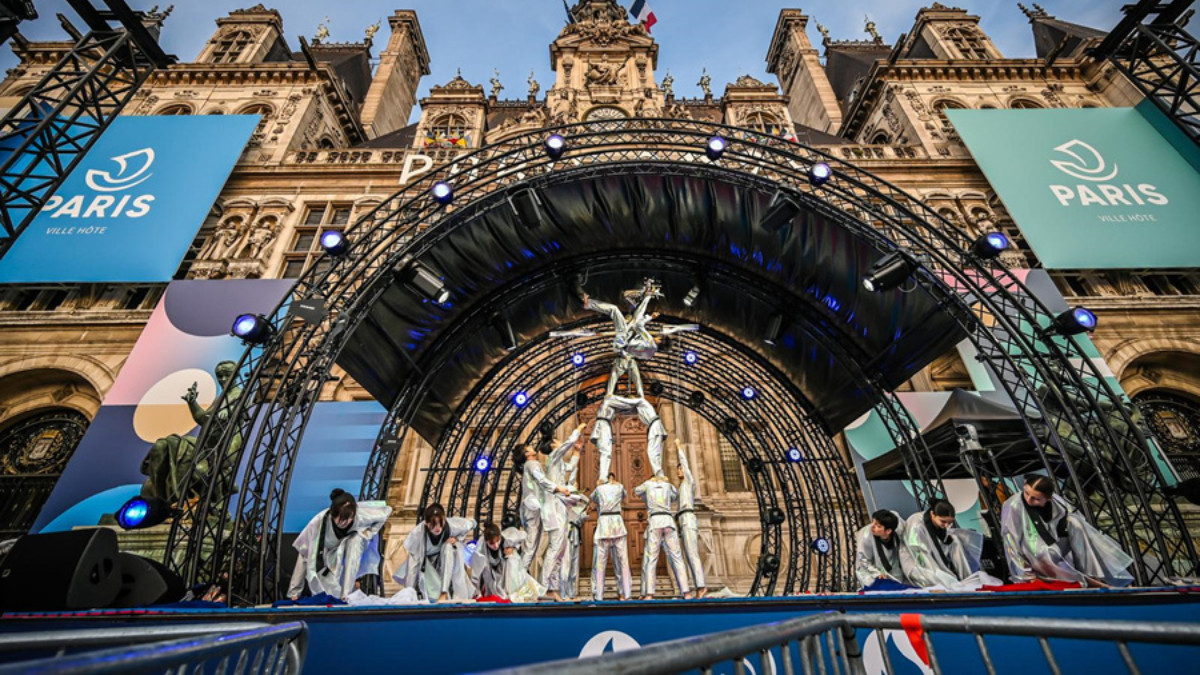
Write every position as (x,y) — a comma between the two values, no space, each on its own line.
(878,552)
(487,563)
(938,554)
(436,568)
(1044,537)
(660,498)
(535,488)
(338,546)
(631,340)
(689,527)
(554,515)
(602,431)
(577,508)
(610,539)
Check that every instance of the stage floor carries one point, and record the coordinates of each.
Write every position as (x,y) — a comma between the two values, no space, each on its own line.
(469,637)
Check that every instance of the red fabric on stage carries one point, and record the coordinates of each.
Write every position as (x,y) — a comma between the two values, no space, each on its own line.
(1035,585)
(493,598)
(911,623)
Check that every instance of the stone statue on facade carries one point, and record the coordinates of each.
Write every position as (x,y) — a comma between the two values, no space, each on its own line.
(824,34)
(668,85)
(223,240)
(260,237)
(495,82)
(372,30)
(322,32)
(602,73)
(534,87)
(705,83)
(870,28)
(169,458)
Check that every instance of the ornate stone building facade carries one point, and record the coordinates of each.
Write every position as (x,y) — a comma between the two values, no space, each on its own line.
(334,142)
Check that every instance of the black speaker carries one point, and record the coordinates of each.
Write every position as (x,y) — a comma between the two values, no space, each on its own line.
(60,571)
(146,582)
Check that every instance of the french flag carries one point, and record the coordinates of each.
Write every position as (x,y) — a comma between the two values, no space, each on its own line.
(643,14)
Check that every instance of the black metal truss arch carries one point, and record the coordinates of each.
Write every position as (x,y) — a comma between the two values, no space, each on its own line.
(1100,457)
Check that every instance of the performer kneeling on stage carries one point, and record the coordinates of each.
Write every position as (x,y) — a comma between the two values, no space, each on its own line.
(487,564)
(1044,538)
(878,553)
(338,546)
(435,567)
(938,554)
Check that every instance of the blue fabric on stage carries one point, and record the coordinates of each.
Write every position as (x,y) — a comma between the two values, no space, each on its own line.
(883,585)
(318,599)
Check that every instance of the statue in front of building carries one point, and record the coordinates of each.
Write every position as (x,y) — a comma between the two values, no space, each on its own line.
(322,33)
(534,87)
(168,459)
(260,237)
(224,240)
(668,85)
(495,82)
(705,83)
(602,73)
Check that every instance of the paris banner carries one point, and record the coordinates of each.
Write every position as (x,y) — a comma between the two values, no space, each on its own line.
(132,206)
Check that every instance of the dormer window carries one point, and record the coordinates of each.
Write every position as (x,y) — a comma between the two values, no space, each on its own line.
(969,43)
(448,131)
(229,48)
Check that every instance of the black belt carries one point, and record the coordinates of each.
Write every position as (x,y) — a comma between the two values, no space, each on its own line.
(662,513)
(610,513)
(683,511)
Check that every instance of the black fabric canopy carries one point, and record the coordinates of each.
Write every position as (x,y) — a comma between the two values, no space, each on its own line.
(619,228)
(1000,428)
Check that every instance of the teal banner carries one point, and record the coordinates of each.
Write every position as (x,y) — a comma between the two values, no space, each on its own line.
(1089,188)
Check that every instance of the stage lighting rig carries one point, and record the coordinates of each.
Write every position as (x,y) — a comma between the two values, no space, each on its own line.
(142,512)
(1074,321)
(253,329)
(555,146)
(889,272)
(578,359)
(715,147)
(442,193)
(507,337)
(520,399)
(990,245)
(334,242)
(748,393)
(794,455)
(483,463)
(690,357)
(774,329)
(780,212)
(819,174)
(526,205)
(425,280)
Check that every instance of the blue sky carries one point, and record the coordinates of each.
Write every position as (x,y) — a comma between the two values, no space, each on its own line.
(729,38)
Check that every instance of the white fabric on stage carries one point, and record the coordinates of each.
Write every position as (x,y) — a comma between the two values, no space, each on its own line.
(346,560)
(1084,552)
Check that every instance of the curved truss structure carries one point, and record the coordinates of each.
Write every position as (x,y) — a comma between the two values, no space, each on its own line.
(1099,457)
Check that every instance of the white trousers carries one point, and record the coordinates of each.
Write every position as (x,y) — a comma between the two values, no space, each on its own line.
(618,548)
(690,538)
(552,563)
(570,579)
(668,537)
(531,522)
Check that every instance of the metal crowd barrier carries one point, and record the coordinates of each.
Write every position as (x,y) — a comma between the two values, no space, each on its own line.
(227,648)
(827,644)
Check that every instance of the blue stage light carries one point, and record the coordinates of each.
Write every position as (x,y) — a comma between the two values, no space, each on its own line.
(333,241)
(520,398)
(715,147)
(819,174)
(252,328)
(990,245)
(749,393)
(142,512)
(822,545)
(577,360)
(555,146)
(442,192)
(690,357)
(483,464)
(1074,321)
(794,455)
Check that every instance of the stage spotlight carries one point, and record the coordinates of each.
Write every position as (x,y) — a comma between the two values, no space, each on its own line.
(696,399)
(690,357)
(755,465)
(689,300)
(142,512)
(888,272)
(505,329)
(990,245)
(656,388)
(555,146)
(581,400)
(794,455)
(819,174)
(425,280)
(520,398)
(715,147)
(749,393)
(774,329)
(442,192)
(780,212)
(483,464)
(253,329)
(1074,321)
(770,562)
(334,242)
(774,516)
(729,425)
(822,545)
(577,359)
(526,205)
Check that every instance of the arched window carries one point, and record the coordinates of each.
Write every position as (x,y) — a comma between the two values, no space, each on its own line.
(1025,104)
(176,109)
(259,109)
(1174,420)
(230,47)
(762,122)
(448,131)
(941,106)
(881,138)
(969,43)
(326,143)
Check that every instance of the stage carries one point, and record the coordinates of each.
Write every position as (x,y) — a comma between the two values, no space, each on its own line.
(473,637)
